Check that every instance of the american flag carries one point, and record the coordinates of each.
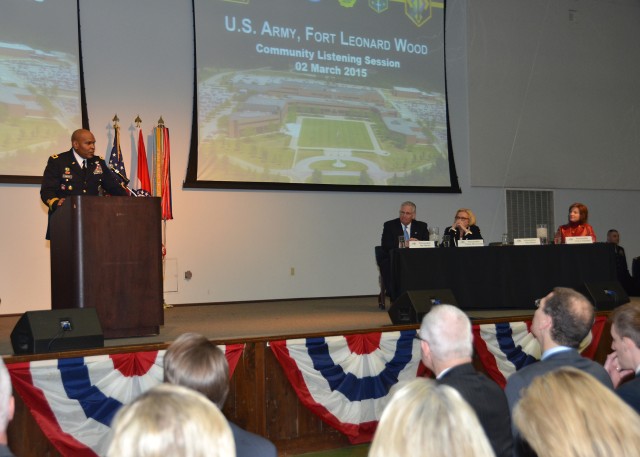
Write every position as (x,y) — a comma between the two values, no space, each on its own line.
(115,159)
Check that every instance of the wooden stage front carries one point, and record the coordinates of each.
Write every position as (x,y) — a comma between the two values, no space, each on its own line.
(261,398)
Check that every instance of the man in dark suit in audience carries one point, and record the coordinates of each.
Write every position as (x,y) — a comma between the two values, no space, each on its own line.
(195,362)
(405,226)
(623,364)
(447,347)
(560,323)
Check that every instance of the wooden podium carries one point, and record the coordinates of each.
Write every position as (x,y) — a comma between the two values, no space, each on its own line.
(106,253)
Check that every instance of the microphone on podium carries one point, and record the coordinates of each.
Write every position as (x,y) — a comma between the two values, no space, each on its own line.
(120,175)
(125,182)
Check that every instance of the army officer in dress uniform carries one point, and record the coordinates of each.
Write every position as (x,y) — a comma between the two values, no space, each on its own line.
(77,172)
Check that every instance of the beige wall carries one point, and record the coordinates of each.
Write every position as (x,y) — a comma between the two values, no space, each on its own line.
(241,245)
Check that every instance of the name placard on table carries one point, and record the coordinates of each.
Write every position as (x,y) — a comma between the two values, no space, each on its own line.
(470,243)
(526,241)
(578,240)
(422,244)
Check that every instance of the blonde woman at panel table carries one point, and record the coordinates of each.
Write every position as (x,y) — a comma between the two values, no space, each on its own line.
(464,227)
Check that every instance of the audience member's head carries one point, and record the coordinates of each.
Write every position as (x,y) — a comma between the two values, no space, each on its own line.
(424,418)
(171,420)
(7,405)
(563,318)
(446,337)
(613,236)
(569,413)
(625,333)
(195,362)
(578,213)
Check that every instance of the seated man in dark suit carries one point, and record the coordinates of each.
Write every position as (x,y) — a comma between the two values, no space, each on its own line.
(623,364)
(447,346)
(405,226)
(622,268)
(195,362)
(560,323)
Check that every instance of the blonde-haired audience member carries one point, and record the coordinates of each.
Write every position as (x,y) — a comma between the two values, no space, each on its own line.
(170,420)
(568,413)
(427,419)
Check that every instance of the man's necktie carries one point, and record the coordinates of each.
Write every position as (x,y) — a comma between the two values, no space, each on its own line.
(406,234)
(84,165)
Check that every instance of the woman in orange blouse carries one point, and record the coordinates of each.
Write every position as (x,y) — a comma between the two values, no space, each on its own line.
(577,226)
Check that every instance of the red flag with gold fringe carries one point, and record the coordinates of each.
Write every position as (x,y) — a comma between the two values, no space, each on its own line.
(167,210)
(162,169)
(144,182)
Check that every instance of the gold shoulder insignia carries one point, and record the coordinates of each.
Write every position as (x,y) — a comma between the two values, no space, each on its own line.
(51,202)
(99,158)
(55,156)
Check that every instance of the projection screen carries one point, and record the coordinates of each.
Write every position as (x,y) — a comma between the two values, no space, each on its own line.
(321,94)
(39,84)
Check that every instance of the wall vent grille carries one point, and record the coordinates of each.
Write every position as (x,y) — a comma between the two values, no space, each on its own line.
(526,209)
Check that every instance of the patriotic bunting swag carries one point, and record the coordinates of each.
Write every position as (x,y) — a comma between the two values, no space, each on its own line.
(345,380)
(74,400)
(506,347)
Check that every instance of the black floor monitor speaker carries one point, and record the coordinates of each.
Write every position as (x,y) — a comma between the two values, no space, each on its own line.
(57,330)
(606,295)
(411,306)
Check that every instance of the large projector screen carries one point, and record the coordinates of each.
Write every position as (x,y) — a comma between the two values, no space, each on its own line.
(310,94)
(39,84)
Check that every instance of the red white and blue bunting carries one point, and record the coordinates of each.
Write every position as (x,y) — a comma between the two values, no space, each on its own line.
(74,400)
(504,348)
(345,380)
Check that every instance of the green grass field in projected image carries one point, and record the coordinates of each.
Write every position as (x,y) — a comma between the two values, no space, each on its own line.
(334,133)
